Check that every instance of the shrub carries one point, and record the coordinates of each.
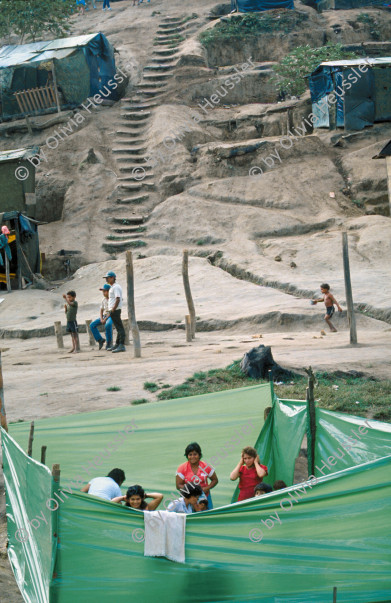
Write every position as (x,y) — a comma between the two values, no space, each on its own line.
(291,71)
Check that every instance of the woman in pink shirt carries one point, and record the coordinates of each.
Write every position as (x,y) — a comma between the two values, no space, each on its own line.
(196,471)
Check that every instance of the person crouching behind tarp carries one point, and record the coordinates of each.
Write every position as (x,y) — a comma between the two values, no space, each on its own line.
(135,499)
(249,471)
(115,307)
(188,502)
(106,487)
(104,319)
(197,472)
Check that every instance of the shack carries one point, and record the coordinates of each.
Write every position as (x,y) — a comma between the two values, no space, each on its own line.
(17,181)
(351,94)
(45,77)
(20,258)
(385,153)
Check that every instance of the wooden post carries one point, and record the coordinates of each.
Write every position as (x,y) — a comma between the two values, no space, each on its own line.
(56,473)
(348,289)
(388,165)
(18,254)
(3,415)
(335,594)
(7,272)
(188,327)
(127,327)
(43,454)
(31,438)
(90,335)
(311,421)
(58,334)
(186,284)
(55,88)
(131,306)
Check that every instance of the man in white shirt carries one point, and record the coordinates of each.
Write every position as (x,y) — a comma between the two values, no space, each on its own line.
(115,307)
(106,487)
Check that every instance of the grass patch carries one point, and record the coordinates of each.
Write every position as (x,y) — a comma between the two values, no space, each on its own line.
(243,27)
(338,392)
(113,388)
(150,386)
(139,401)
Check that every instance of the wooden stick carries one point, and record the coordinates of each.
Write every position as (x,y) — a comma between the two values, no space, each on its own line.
(348,289)
(58,334)
(131,306)
(7,272)
(90,335)
(55,88)
(43,454)
(186,284)
(18,254)
(3,415)
(388,165)
(311,420)
(56,473)
(31,438)
(335,594)
(188,327)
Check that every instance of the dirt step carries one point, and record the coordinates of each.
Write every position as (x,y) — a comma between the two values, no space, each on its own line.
(136,115)
(168,36)
(168,29)
(149,84)
(138,159)
(135,220)
(134,104)
(135,171)
(124,237)
(167,20)
(172,44)
(165,52)
(171,61)
(126,185)
(134,150)
(136,123)
(129,229)
(161,67)
(153,92)
(130,200)
(118,246)
(157,76)
(132,133)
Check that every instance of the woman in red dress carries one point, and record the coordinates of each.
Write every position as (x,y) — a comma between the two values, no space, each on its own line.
(249,471)
(196,471)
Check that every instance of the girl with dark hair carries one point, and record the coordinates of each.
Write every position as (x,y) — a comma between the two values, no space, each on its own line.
(135,498)
(196,472)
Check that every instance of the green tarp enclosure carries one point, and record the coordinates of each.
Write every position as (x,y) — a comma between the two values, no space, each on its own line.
(293,545)
(17,181)
(83,65)
(351,94)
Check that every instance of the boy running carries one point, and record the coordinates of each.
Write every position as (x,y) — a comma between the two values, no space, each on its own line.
(329,301)
(71,312)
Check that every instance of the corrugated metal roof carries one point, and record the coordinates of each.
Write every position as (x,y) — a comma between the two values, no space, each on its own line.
(18,154)
(354,62)
(15,55)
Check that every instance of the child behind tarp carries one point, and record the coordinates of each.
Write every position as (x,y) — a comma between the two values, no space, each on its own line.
(71,312)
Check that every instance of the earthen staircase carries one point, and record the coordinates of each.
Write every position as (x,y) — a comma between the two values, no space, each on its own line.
(135,193)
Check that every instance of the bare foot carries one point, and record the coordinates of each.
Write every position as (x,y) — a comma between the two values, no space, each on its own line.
(71,351)
(76,351)
(334,330)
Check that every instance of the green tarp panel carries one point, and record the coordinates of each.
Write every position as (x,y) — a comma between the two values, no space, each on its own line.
(348,440)
(31,551)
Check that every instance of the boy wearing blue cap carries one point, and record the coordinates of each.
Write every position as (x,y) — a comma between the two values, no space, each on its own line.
(115,307)
(104,319)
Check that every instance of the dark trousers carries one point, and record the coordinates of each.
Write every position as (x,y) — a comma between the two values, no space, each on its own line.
(117,322)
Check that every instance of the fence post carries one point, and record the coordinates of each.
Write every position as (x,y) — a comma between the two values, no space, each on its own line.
(90,335)
(131,306)
(348,289)
(31,439)
(58,334)
(311,421)
(3,415)
(189,298)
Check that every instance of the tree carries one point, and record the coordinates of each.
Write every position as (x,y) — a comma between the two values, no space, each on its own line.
(293,68)
(32,19)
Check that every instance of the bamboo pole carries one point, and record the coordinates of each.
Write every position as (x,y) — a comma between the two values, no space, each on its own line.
(43,454)
(58,334)
(91,338)
(31,439)
(311,420)
(7,272)
(3,415)
(55,88)
(186,284)
(18,254)
(131,306)
(348,289)
(188,327)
